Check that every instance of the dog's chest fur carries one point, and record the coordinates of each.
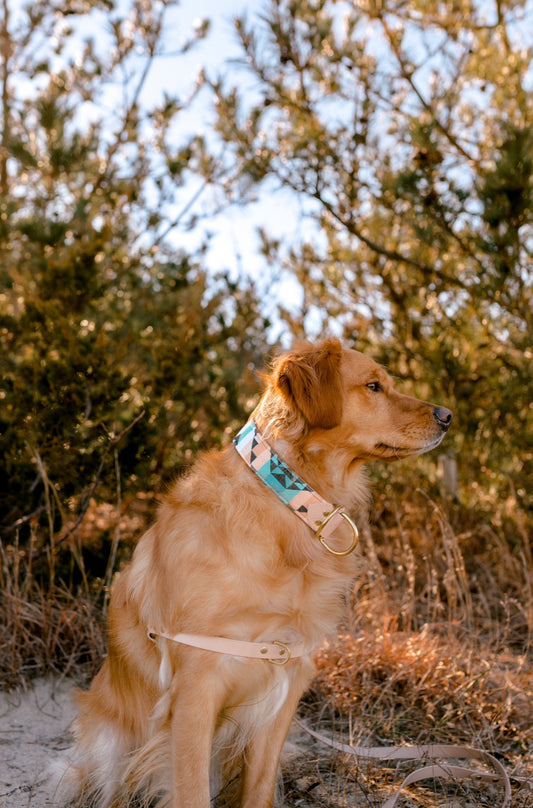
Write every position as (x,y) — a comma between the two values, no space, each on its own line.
(238,564)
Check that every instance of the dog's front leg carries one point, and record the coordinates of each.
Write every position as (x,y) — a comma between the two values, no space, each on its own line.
(264,752)
(195,707)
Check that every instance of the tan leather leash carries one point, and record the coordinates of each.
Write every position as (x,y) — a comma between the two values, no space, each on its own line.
(436,770)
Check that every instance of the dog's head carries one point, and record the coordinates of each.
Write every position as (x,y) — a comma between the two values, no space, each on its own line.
(325,396)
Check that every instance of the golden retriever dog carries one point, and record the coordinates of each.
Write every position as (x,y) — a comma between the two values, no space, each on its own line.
(213,623)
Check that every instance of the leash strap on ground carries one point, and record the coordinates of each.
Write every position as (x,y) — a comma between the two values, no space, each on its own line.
(436,770)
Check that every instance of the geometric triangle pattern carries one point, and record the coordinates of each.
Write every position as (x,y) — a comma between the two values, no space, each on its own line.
(283,481)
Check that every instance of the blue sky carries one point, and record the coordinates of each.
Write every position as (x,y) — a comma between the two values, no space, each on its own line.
(234,240)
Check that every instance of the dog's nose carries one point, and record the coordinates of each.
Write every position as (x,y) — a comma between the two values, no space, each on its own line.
(443,417)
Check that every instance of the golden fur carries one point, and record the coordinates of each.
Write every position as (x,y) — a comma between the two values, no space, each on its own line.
(227,558)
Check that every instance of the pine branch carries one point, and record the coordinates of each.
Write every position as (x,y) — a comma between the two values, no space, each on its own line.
(113,442)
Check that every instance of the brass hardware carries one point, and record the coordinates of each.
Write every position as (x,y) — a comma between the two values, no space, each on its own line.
(353,526)
(284,652)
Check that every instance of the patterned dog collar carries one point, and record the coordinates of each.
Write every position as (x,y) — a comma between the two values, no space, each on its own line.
(319,514)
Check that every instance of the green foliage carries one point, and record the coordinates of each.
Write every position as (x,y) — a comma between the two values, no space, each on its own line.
(101,316)
(407,128)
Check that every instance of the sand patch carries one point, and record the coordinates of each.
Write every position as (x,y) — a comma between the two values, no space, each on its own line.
(34,728)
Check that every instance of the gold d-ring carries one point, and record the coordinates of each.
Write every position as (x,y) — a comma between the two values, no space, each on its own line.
(284,652)
(353,526)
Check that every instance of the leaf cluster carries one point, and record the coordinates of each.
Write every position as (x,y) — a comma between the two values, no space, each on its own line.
(102,315)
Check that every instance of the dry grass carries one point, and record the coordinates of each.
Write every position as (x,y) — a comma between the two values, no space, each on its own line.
(44,627)
(437,646)
(54,599)
(437,650)
(425,687)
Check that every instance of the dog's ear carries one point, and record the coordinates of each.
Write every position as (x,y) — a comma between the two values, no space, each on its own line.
(310,380)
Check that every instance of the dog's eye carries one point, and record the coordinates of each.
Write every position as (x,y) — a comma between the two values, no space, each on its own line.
(375,387)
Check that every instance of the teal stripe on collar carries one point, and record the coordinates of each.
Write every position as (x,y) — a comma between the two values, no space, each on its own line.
(319,514)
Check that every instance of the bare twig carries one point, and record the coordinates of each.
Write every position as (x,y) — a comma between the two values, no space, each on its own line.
(116,537)
(114,441)
(407,73)
(23,519)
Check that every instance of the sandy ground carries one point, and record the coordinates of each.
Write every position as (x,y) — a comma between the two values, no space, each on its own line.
(34,728)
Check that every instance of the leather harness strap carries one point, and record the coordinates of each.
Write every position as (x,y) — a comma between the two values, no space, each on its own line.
(276,651)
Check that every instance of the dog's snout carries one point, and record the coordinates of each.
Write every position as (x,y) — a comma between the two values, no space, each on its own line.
(443,417)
